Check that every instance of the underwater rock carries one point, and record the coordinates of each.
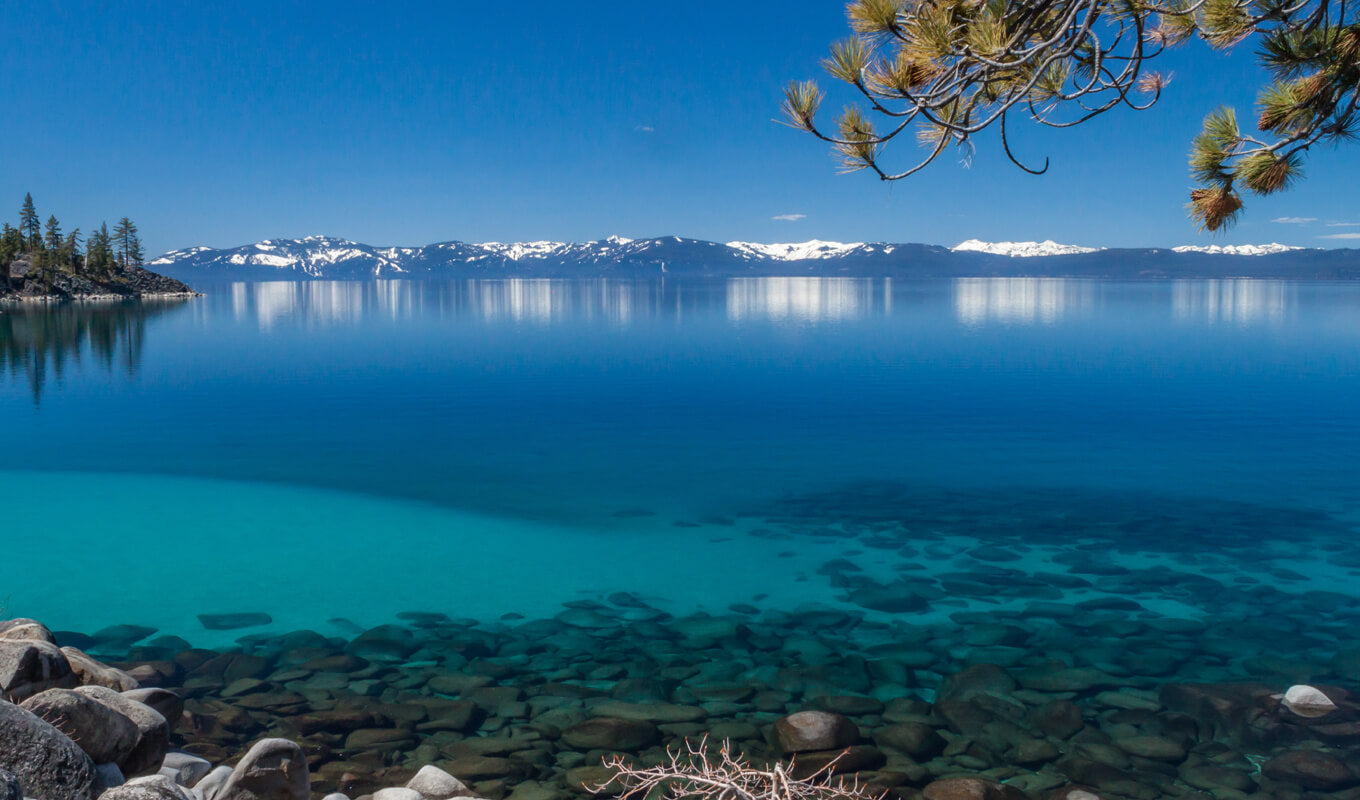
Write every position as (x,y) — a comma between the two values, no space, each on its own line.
(228,622)
(807,731)
(433,783)
(1307,701)
(1312,769)
(47,763)
(389,643)
(918,740)
(121,637)
(970,789)
(609,733)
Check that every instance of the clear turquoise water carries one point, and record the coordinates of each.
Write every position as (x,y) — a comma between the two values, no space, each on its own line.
(352,450)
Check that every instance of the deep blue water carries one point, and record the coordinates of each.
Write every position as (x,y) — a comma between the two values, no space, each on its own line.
(321,450)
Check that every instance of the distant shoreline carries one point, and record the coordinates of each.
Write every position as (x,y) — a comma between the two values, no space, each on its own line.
(58,299)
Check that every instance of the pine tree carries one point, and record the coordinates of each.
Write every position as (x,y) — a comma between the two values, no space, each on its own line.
(28,223)
(70,250)
(52,241)
(948,70)
(129,247)
(99,252)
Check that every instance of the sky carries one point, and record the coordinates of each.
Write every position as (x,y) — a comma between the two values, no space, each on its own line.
(222,124)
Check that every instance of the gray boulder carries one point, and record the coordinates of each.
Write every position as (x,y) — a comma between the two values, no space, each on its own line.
(274,769)
(26,630)
(107,776)
(806,731)
(153,739)
(397,793)
(150,787)
(185,769)
(434,783)
(105,734)
(29,666)
(93,673)
(47,763)
(213,782)
(165,702)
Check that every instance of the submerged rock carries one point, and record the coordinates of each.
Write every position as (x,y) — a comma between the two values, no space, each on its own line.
(807,731)
(433,783)
(227,622)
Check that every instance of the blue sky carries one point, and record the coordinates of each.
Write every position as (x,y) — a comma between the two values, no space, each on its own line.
(409,123)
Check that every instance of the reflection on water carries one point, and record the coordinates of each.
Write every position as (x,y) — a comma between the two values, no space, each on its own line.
(537,301)
(1240,300)
(807,299)
(1021,301)
(543,301)
(41,342)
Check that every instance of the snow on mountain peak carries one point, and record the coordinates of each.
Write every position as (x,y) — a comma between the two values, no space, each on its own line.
(1048,247)
(1236,249)
(796,251)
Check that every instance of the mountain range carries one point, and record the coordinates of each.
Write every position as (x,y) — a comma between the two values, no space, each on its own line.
(324,257)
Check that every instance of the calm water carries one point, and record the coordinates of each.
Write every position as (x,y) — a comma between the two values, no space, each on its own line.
(323,450)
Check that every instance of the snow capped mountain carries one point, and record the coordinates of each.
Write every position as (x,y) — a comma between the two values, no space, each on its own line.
(1237,249)
(800,251)
(335,258)
(1048,247)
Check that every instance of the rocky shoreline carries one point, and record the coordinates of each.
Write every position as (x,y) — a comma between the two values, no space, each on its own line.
(532,709)
(132,282)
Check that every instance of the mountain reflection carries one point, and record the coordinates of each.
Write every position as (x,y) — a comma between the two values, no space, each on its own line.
(1243,301)
(1020,301)
(806,299)
(40,343)
(543,301)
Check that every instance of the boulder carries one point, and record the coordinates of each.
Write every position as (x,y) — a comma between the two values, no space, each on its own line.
(102,732)
(397,793)
(1307,701)
(26,630)
(92,673)
(213,782)
(806,731)
(916,739)
(185,769)
(107,776)
(970,789)
(227,622)
(610,733)
(433,783)
(150,787)
(47,763)
(153,731)
(29,666)
(1311,769)
(274,769)
(388,643)
(162,701)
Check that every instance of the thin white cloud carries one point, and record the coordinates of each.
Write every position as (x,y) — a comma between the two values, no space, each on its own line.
(788,217)
(1341,236)
(1294,220)
(645,129)
(1343,224)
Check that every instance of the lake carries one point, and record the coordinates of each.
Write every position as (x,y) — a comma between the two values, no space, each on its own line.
(1148,482)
